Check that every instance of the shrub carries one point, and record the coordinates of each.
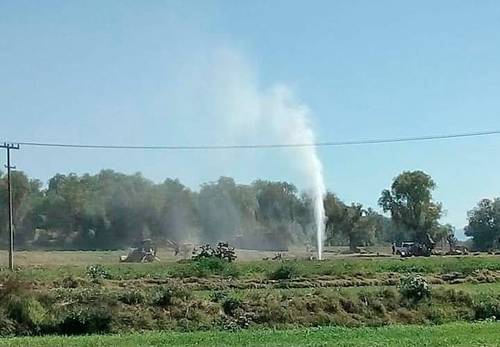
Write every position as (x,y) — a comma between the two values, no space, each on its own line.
(26,311)
(436,314)
(135,319)
(164,296)
(488,309)
(89,296)
(223,251)
(242,321)
(13,286)
(285,271)
(218,296)
(453,296)
(414,288)
(213,266)
(269,310)
(349,305)
(85,320)
(98,272)
(389,293)
(7,325)
(210,266)
(230,305)
(132,297)
(70,282)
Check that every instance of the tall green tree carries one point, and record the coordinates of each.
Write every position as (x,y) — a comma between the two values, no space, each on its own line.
(280,212)
(25,195)
(484,224)
(411,204)
(353,222)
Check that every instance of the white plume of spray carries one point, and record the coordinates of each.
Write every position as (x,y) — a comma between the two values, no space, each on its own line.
(239,111)
(291,121)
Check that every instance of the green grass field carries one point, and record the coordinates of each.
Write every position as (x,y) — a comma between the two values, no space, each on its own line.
(455,334)
(361,267)
(199,302)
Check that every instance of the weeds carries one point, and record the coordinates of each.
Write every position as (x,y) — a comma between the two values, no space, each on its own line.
(205,267)
(97,272)
(230,305)
(85,320)
(63,301)
(286,271)
(132,297)
(487,310)
(26,311)
(165,296)
(218,296)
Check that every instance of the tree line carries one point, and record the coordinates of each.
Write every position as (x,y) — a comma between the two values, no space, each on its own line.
(112,210)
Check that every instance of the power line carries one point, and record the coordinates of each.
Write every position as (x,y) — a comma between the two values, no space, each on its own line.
(263,146)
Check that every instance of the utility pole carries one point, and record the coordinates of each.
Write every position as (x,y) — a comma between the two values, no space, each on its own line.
(8,147)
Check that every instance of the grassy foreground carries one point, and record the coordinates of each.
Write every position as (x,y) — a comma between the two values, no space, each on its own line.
(364,267)
(214,295)
(456,334)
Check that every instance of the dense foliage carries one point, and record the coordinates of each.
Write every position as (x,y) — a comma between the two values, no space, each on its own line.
(484,224)
(111,210)
(411,205)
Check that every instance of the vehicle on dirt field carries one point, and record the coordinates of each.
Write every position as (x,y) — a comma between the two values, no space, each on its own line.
(416,249)
(144,252)
(404,249)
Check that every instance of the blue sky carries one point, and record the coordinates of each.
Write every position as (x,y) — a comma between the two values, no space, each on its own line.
(130,72)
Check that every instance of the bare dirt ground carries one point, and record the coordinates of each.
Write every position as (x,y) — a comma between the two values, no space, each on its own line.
(25,258)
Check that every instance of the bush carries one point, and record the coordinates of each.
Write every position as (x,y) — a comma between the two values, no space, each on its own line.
(213,266)
(350,306)
(230,305)
(389,294)
(13,286)
(210,265)
(218,296)
(132,297)
(7,325)
(414,288)
(453,296)
(98,272)
(71,282)
(285,271)
(242,321)
(223,251)
(85,320)
(488,309)
(26,311)
(165,296)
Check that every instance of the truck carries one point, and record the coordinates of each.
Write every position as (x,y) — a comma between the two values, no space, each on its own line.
(422,248)
(143,252)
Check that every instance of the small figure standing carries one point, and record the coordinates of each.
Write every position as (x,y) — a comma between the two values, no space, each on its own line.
(393,248)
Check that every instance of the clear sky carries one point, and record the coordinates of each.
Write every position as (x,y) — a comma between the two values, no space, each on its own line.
(188,72)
